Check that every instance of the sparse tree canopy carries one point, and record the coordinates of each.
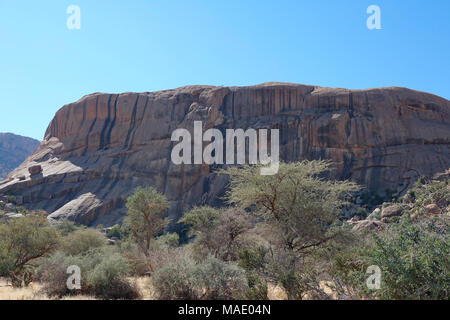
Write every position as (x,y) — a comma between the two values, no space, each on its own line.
(218,232)
(22,241)
(297,201)
(200,219)
(145,218)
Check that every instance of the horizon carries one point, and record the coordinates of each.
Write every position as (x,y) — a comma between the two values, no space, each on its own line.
(147,47)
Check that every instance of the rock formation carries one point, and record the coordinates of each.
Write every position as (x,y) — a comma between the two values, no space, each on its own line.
(14,150)
(98,149)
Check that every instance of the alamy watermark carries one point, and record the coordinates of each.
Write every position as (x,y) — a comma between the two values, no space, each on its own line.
(374,20)
(74,20)
(74,280)
(373,282)
(216,152)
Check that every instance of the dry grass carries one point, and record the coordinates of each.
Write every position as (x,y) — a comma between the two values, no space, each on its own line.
(33,292)
(275,292)
(7,292)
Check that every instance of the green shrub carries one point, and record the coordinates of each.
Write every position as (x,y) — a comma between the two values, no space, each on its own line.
(108,279)
(413,258)
(67,227)
(257,288)
(174,281)
(22,242)
(114,232)
(135,258)
(170,239)
(82,240)
(103,274)
(210,279)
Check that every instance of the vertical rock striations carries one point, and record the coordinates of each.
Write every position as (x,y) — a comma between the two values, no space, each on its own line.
(98,149)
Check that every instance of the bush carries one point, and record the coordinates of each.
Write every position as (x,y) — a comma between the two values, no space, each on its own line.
(103,274)
(108,279)
(135,258)
(114,232)
(413,258)
(174,281)
(219,233)
(81,241)
(67,227)
(210,279)
(22,241)
(170,239)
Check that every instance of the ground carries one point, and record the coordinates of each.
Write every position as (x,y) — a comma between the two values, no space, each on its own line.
(33,292)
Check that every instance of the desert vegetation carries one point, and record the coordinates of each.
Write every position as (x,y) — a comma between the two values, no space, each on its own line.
(295,232)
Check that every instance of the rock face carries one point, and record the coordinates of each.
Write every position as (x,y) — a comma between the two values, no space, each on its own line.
(98,149)
(14,150)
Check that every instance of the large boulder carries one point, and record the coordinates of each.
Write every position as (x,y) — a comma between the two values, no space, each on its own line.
(33,170)
(432,209)
(108,144)
(392,211)
(368,225)
(375,215)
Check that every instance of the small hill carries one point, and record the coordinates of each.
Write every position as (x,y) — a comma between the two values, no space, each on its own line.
(14,149)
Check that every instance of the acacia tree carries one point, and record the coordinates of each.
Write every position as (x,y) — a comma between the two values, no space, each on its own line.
(217,232)
(299,206)
(23,241)
(145,218)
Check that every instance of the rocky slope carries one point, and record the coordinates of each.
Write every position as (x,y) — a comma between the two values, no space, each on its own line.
(14,150)
(98,149)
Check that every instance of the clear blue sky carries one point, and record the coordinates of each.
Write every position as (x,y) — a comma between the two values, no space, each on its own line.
(146,45)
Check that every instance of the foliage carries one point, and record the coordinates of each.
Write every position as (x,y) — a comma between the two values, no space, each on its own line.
(301,211)
(145,218)
(434,192)
(135,258)
(67,227)
(103,274)
(115,232)
(209,279)
(169,239)
(22,242)
(413,257)
(200,220)
(300,205)
(218,233)
(82,240)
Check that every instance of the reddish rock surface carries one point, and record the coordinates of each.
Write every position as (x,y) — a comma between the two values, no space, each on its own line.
(98,149)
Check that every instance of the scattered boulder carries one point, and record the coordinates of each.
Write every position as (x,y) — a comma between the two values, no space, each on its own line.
(34,170)
(354,220)
(392,211)
(408,199)
(81,210)
(13,215)
(375,215)
(368,225)
(432,209)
